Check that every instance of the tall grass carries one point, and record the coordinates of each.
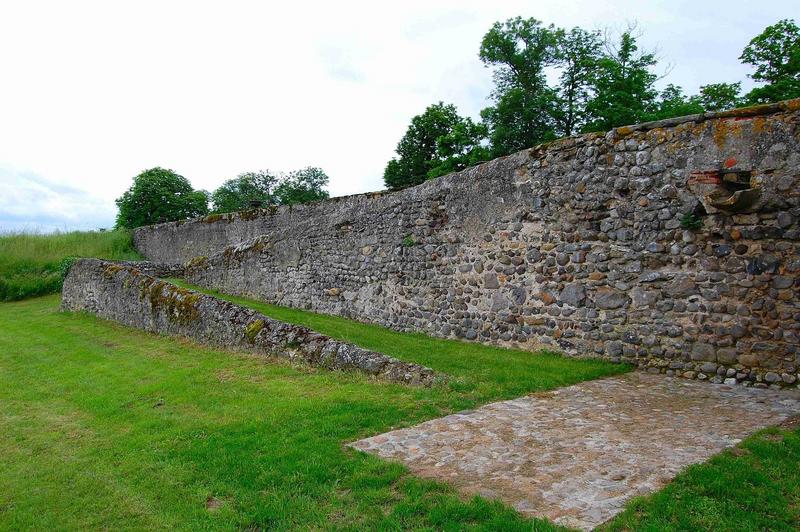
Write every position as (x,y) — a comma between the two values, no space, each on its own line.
(33,264)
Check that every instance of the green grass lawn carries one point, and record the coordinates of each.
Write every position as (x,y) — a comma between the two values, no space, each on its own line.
(33,264)
(107,427)
(103,426)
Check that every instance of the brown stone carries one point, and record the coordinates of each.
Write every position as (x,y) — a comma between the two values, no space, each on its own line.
(546,297)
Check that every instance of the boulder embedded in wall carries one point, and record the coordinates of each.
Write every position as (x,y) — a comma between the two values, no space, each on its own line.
(609,299)
(573,294)
(641,297)
(490,280)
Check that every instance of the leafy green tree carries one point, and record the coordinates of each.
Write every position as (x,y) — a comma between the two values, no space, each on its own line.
(302,186)
(623,85)
(435,142)
(159,195)
(775,54)
(673,102)
(720,96)
(577,53)
(519,50)
(461,148)
(237,193)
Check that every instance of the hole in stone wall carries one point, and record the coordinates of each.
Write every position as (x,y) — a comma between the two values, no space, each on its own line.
(699,210)
(736,191)
(733,181)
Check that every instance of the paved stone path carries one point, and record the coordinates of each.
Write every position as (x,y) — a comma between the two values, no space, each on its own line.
(577,454)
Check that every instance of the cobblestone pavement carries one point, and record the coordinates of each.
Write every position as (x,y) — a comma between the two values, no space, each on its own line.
(577,454)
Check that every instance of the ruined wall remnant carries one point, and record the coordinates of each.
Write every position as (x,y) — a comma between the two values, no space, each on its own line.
(121,292)
(672,245)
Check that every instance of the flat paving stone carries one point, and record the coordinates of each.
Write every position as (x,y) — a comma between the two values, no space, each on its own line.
(575,455)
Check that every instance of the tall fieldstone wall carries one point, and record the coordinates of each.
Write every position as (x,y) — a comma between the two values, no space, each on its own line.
(672,245)
(121,292)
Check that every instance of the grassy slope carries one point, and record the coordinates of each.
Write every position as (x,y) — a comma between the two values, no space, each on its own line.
(103,426)
(482,373)
(30,263)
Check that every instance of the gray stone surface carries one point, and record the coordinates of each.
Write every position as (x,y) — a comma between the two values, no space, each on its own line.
(577,454)
(123,293)
(575,245)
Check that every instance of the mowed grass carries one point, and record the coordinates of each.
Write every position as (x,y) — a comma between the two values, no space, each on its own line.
(480,372)
(32,264)
(107,427)
(754,486)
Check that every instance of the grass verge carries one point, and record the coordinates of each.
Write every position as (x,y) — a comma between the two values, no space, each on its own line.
(34,264)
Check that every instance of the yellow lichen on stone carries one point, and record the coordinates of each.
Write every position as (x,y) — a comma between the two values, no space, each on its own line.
(197,262)
(252,330)
(179,305)
(112,269)
(624,131)
(724,129)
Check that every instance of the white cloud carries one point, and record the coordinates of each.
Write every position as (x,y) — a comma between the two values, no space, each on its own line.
(94,92)
(30,202)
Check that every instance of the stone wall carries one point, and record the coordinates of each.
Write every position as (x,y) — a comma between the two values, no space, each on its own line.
(670,245)
(121,292)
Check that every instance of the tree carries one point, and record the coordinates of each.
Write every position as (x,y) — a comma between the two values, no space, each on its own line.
(673,102)
(720,96)
(435,140)
(577,53)
(623,85)
(302,186)
(461,148)
(519,50)
(237,193)
(159,195)
(775,54)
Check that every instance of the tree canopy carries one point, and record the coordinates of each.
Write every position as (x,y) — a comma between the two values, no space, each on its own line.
(237,194)
(159,195)
(299,186)
(519,50)
(775,54)
(436,142)
(551,82)
(302,186)
(624,91)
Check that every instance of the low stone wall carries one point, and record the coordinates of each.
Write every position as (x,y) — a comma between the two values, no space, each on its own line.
(672,245)
(155,269)
(123,293)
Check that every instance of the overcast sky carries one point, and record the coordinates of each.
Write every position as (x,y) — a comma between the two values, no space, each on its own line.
(92,93)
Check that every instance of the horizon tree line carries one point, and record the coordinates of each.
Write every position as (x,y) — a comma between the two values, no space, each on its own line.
(162,195)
